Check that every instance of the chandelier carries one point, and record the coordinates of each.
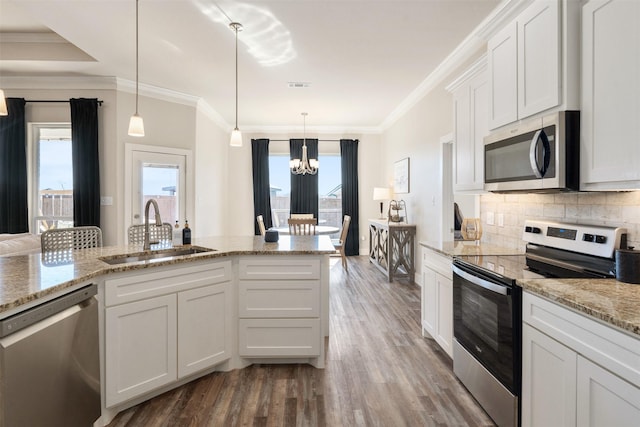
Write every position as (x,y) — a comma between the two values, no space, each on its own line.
(304,166)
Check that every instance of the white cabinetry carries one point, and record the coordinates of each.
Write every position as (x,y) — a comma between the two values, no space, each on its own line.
(437,299)
(470,93)
(575,370)
(279,308)
(610,111)
(164,324)
(533,62)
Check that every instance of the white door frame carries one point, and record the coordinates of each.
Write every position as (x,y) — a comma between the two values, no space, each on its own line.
(446,170)
(129,149)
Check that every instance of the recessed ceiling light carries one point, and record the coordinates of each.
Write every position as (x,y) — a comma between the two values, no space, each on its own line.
(298,84)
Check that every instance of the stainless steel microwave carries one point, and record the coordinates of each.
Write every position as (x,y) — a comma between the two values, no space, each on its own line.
(535,155)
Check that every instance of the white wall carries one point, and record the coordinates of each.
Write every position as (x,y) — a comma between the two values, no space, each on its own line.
(417,136)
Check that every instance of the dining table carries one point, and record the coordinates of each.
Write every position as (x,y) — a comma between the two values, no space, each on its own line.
(320,229)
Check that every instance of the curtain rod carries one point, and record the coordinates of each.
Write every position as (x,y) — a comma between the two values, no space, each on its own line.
(52,100)
(286,140)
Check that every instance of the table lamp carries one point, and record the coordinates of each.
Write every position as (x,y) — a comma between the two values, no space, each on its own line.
(382,194)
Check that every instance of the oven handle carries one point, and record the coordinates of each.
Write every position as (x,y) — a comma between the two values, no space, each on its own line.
(493,287)
(539,136)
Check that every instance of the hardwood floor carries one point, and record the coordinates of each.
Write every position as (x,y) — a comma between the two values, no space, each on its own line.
(379,371)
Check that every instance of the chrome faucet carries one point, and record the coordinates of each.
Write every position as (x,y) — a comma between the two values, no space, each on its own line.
(147,243)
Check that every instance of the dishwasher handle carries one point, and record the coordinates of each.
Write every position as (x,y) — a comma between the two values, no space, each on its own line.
(45,310)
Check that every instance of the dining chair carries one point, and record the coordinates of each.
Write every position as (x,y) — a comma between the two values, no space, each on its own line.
(71,238)
(302,226)
(260,220)
(339,243)
(161,234)
(301,216)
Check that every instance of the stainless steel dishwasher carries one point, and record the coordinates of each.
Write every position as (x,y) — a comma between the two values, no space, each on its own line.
(49,363)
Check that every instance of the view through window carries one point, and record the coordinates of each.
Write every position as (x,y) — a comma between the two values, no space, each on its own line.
(329,189)
(51,178)
(160,182)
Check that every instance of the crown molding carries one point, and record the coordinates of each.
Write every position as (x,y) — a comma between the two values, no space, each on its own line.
(318,130)
(58,82)
(477,67)
(129,86)
(476,40)
(214,116)
(35,37)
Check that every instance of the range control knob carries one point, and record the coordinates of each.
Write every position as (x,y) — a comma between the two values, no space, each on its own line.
(601,239)
(534,230)
(588,237)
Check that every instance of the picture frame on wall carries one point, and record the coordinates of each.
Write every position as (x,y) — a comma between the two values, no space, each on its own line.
(401,176)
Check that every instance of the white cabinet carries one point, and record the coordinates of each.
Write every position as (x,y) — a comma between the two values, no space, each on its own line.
(538,58)
(610,129)
(502,54)
(204,328)
(548,381)
(470,93)
(163,325)
(533,62)
(279,308)
(576,371)
(437,299)
(141,347)
(605,399)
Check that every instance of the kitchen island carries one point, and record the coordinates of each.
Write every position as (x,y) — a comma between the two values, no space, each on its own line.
(165,321)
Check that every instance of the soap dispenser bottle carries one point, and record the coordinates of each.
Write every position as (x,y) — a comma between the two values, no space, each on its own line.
(186,233)
(177,235)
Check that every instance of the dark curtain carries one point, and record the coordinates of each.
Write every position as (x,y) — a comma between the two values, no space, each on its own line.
(86,162)
(349,154)
(261,190)
(304,188)
(14,217)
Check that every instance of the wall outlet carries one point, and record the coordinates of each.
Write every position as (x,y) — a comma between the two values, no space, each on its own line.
(106,200)
(500,220)
(490,218)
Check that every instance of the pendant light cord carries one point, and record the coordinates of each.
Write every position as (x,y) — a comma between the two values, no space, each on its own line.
(236,28)
(137,2)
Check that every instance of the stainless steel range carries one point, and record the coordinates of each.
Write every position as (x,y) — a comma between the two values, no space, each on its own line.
(487,305)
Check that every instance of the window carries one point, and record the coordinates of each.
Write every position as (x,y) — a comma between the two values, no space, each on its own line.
(51,177)
(329,189)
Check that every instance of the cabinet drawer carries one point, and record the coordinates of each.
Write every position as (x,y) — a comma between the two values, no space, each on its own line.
(293,298)
(607,346)
(152,282)
(279,337)
(279,267)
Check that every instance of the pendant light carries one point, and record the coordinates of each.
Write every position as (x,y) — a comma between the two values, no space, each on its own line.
(136,126)
(236,135)
(3,105)
(304,166)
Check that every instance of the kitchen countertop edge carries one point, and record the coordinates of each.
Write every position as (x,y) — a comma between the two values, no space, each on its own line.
(19,276)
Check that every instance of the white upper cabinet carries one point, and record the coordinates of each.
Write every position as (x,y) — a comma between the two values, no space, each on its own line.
(610,121)
(533,62)
(538,58)
(503,77)
(470,93)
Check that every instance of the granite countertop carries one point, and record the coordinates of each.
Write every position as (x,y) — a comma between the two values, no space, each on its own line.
(468,247)
(28,277)
(608,300)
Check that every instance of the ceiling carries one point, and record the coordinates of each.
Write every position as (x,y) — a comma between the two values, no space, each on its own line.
(362,59)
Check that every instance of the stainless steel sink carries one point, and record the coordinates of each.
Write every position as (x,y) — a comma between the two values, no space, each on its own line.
(155,256)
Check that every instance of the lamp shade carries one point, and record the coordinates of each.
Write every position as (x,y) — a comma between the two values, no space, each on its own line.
(136,126)
(236,138)
(3,104)
(381,193)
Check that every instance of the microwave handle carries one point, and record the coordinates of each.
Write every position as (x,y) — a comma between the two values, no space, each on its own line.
(493,287)
(546,153)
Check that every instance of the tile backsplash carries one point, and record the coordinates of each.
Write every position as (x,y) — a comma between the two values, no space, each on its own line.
(617,209)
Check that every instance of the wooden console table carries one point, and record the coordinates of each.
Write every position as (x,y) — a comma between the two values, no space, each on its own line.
(391,248)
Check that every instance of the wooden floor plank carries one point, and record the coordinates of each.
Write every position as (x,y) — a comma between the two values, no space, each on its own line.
(379,371)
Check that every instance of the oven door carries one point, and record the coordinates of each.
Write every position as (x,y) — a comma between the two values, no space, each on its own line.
(486,321)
